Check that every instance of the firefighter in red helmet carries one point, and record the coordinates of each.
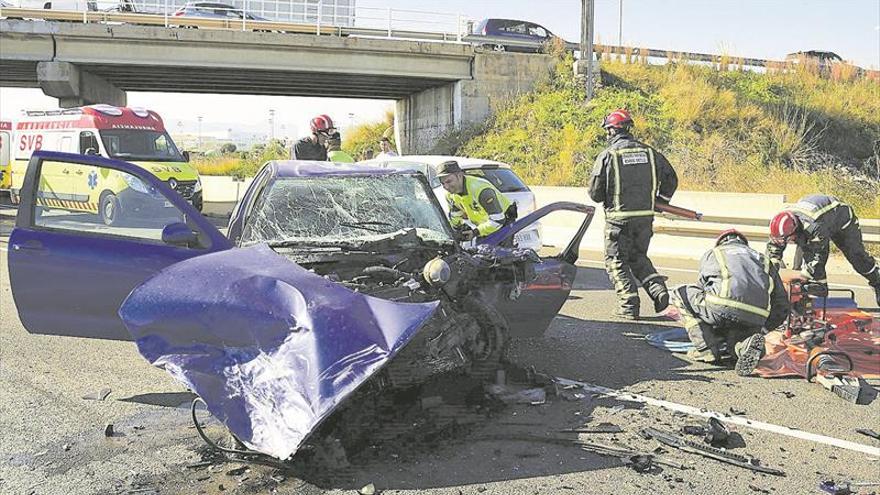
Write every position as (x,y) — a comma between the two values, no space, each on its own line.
(813,223)
(738,296)
(313,147)
(628,178)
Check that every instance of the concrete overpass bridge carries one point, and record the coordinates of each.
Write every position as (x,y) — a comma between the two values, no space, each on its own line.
(437,86)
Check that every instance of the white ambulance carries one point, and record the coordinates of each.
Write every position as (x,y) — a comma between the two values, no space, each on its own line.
(134,135)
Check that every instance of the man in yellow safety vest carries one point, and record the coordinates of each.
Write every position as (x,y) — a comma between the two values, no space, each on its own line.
(474,200)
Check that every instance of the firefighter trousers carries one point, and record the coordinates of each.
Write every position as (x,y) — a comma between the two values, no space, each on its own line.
(627,263)
(706,329)
(849,241)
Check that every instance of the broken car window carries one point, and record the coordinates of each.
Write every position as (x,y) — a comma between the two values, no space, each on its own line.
(351,208)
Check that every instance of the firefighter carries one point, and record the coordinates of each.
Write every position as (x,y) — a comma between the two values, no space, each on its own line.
(334,150)
(738,297)
(811,223)
(475,200)
(312,147)
(628,177)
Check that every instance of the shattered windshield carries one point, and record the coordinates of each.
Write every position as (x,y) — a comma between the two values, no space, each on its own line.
(344,209)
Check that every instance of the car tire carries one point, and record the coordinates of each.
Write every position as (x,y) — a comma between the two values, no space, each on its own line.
(499,48)
(109,209)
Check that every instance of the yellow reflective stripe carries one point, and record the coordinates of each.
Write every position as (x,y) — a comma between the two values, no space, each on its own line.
(627,214)
(770,285)
(725,273)
(817,213)
(653,177)
(712,298)
(616,182)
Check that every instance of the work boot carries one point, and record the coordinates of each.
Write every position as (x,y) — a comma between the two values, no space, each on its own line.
(661,302)
(748,353)
(628,309)
(627,314)
(656,288)
(704,356)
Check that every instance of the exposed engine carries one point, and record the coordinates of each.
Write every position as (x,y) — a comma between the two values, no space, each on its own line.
(465,329)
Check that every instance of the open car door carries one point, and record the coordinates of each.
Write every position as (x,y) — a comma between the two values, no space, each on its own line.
(530,314)
(88,231)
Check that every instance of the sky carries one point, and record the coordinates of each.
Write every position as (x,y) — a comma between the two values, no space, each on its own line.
(755,28)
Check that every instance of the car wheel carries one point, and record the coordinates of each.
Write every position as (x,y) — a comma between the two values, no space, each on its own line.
(109,209)
(499,48)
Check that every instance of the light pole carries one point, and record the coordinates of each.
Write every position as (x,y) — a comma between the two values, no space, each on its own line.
(272,124)
(587,42)
(620,23)
(199,146)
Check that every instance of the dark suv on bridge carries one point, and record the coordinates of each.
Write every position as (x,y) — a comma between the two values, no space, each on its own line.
(515,31)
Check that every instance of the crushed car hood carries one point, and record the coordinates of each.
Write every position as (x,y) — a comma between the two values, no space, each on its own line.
(271,347)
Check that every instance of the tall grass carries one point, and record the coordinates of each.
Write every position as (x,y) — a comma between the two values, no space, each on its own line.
(792,130)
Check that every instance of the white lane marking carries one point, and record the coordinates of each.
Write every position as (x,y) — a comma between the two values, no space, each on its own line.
(737,420)
(687,270)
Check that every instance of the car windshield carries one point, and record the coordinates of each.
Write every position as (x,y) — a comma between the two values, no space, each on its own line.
(502,178)
(423,168)
(344,209)
(139,144)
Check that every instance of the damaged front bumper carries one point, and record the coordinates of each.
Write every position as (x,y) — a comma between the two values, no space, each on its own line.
(269,346)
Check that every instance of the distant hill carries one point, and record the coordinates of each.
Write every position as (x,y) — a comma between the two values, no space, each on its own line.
(787,131)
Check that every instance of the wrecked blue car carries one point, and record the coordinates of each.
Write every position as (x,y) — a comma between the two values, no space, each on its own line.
(332,279)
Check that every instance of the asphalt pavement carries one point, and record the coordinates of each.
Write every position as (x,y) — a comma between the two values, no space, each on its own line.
(53,440)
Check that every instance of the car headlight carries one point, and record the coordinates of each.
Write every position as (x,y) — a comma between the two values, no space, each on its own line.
(136,184)
(198,186)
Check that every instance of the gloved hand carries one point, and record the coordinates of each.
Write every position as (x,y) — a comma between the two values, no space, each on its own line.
(468,234)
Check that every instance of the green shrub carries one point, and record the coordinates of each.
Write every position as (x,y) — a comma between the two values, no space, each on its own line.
(792,132)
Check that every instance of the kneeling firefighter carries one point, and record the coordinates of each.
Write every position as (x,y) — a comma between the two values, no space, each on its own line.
(475,200)
(738,297)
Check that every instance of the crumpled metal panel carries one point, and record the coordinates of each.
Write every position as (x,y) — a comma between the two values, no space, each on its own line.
(271,347)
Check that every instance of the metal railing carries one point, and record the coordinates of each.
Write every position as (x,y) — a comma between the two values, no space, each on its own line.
(339,17)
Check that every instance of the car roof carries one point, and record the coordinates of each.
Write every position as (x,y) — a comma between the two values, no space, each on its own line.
(463,161)
(306,168)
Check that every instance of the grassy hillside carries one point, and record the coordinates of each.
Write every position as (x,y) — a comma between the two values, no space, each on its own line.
(790,132)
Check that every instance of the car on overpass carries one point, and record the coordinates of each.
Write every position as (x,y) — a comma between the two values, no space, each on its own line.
(334,282)
(512,35)
(215,11)
(499,174)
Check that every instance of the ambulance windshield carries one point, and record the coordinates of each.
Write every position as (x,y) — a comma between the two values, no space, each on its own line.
(139,144)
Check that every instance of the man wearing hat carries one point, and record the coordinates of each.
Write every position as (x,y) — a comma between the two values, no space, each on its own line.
(475,200)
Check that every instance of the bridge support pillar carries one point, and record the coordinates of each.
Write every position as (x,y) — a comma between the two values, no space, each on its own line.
(437,119)
(75,87)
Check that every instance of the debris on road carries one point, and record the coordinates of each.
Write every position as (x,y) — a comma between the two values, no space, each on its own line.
(868,433)
(511,395)
(845,488)
(685,445)
(599,428)
(99,395)
(108,430)
(367,490)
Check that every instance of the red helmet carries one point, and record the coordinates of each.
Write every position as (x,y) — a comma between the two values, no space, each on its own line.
(321,123)
(784,225)
(723,236)
(618,119)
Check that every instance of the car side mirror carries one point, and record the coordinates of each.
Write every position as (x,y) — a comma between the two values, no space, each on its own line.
(185,156)
(91,151)
(179,234)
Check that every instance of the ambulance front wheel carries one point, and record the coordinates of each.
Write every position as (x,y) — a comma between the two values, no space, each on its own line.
(109,209)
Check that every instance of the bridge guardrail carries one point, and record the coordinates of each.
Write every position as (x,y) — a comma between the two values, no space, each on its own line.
(272,15)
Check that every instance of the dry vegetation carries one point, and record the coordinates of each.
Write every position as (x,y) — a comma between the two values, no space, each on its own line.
(790,130)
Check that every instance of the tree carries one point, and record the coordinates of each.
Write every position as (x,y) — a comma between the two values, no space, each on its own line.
(228,148)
